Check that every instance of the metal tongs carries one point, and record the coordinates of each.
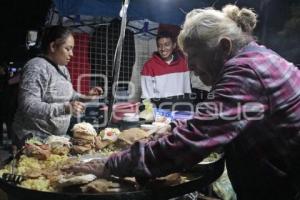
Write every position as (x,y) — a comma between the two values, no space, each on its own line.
(13,177)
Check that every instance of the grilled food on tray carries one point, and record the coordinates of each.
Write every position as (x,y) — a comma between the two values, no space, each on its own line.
(42,161)
(113,140)
(106,138)
(101,185)
(41,174)
(59,145)
(83,138)
(65,181)
(35,148)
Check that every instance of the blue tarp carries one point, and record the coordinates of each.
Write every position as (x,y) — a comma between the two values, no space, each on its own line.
(161,11)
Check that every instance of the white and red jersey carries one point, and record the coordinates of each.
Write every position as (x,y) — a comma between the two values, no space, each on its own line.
(161,80)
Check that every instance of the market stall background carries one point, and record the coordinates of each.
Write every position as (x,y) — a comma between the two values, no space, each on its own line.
(145,18)
(97,25)
(98,21)
(16,17)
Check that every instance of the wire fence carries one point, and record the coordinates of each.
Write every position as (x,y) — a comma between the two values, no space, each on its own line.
(92,63)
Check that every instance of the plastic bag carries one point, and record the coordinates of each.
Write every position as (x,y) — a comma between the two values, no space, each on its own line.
(148,113)
(223,188)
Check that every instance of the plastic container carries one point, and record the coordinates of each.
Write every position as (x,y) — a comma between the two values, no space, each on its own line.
(120,109)
(182,115)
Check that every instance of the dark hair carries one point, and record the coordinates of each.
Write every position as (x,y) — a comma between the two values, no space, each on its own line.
(165,34)
(56,34)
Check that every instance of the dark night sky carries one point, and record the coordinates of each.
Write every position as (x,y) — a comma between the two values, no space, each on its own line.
(16,17)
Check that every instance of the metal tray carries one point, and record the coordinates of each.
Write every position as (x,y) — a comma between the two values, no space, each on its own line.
(204,176)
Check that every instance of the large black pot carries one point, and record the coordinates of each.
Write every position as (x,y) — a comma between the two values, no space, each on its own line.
(204,175)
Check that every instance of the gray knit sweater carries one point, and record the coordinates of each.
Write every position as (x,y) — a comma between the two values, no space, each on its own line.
(42,95)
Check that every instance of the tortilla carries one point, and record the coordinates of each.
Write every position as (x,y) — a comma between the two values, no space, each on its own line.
(76,180)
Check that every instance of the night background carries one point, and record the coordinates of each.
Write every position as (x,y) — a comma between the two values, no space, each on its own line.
(278,26)
(16,18)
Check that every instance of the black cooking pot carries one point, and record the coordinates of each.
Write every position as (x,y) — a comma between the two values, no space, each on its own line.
(203,176)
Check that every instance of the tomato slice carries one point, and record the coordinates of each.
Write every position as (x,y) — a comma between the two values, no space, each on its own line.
(109,133)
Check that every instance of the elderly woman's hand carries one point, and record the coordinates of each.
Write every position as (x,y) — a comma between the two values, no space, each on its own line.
(96,167)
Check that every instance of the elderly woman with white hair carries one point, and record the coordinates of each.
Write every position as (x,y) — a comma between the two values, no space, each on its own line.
(254,115)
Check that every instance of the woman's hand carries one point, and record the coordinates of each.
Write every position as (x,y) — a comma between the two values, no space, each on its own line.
(75,108)
(95,91)
(93,94)
(96,167)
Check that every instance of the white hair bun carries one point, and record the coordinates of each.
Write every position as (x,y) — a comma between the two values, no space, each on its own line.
(245,18)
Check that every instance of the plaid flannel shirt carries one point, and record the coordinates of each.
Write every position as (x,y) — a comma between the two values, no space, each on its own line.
(253,113)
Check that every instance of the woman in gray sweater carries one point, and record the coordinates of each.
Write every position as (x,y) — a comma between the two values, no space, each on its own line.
(46,95)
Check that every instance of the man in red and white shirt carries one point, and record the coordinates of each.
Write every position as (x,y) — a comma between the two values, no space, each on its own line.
(165,74)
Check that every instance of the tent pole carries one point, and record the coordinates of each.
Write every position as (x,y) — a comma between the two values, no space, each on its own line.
(117,60)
